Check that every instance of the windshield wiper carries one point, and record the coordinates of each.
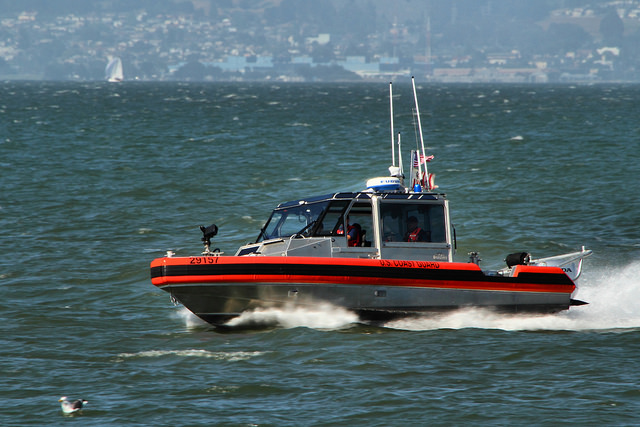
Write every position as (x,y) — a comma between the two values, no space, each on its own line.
(299,233)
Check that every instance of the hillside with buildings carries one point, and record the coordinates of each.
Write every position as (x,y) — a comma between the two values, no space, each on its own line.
(330,40)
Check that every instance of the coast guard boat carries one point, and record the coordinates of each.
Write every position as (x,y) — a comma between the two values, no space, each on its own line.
(383,253)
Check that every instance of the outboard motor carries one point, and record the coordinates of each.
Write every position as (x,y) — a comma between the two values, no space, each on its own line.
(518,258)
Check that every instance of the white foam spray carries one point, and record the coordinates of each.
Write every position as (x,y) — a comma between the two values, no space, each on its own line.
(233,356)
(190,320)
(613,295)
(321,316)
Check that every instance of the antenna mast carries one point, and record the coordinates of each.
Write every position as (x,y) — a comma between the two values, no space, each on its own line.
(400,156)
(415,97)
(393,152)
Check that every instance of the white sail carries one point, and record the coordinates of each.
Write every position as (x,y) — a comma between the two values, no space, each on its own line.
(113,71)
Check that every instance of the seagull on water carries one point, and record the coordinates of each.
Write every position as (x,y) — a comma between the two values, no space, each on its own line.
(69,407)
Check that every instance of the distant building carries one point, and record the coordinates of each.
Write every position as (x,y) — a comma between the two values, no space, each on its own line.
(321,39)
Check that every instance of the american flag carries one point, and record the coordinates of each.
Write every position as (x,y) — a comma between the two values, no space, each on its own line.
(424,159)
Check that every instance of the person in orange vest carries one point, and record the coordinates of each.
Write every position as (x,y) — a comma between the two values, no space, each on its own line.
(415,233)
(354,234)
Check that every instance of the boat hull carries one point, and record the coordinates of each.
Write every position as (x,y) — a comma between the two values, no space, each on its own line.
(217,289)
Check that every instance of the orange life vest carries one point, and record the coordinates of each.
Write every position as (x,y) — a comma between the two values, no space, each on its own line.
(413,236)
(358,239)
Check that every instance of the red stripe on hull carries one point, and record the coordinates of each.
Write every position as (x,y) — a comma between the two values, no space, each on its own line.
(561,284)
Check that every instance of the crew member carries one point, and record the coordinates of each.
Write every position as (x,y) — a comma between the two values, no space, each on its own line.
(354,234)
(415,233)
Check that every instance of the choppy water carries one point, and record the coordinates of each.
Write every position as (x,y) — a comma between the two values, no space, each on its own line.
(96,180)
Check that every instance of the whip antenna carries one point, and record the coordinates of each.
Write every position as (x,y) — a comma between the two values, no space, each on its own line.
(400,156)
(415,97)
(393,152)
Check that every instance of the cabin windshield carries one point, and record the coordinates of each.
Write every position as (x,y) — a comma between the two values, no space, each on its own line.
(410,222)
(331,223)
(302,219)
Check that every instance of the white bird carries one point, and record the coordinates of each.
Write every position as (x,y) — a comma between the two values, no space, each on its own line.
(69,407)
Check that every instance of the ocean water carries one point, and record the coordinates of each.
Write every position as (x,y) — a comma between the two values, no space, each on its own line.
(98,179)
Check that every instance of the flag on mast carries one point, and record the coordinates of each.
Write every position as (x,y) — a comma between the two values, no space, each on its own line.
(419,174)
(422,157)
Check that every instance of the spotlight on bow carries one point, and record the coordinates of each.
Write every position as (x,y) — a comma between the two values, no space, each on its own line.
(207,234)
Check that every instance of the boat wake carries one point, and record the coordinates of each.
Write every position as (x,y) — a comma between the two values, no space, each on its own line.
(614,304)
(218,355)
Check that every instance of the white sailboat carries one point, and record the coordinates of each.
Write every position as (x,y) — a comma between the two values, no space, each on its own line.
(113,71)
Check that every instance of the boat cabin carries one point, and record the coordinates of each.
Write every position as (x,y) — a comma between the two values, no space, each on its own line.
(377,225)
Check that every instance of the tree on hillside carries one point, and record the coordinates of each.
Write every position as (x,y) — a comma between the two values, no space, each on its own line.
(563,38)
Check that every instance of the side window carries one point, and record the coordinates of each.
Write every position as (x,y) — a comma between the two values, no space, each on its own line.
(437,224)
(410,222)
(392,219)
(360,217)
